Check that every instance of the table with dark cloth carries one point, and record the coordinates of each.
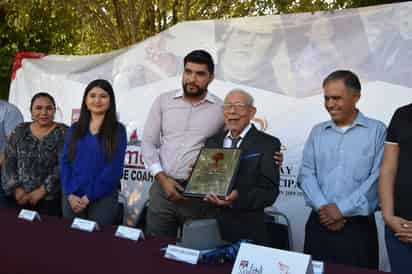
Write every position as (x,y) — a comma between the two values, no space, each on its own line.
(51,246)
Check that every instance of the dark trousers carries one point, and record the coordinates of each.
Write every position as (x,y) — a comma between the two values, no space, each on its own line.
(356,244)
(103,211)
(5,200)
(165,217)
(45,207)
(236,225)
(399,253)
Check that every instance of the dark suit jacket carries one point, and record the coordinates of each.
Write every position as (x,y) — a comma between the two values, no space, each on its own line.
(257,182)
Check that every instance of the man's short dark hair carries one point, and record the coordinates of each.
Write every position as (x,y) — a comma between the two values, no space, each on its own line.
(349,78)
(200,57)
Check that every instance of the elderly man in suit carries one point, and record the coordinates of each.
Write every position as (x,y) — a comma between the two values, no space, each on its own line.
(241,213)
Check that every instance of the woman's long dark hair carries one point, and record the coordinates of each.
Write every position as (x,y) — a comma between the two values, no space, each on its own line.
(109,130)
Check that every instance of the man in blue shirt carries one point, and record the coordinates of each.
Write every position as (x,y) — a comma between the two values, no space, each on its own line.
(339,175)
(10,116)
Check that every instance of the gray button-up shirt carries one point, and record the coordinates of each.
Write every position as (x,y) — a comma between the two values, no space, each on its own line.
(10,116)
(176,130)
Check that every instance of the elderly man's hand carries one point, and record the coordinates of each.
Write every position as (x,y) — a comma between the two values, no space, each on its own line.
(212,198)
(278,158)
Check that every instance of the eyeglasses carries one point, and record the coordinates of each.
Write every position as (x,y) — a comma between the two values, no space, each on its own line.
(236,107)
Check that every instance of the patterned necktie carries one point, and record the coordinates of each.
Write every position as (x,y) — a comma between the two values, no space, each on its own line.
(234,141)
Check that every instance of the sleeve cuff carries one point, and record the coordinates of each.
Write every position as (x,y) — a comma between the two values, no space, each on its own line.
(9,189)
(155,169)
(391,143)
(318,203)
(361,206)
(48,184)
(344,207)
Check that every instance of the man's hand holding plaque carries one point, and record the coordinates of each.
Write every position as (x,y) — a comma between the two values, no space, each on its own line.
(171,188)
(225,202)
(213,174)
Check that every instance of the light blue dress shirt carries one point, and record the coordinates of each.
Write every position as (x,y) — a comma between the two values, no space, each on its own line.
(10,116)
(342,166)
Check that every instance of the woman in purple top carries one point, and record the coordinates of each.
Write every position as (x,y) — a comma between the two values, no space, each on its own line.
(93,154)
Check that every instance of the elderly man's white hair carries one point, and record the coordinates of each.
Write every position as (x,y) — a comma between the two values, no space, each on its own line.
(249,98)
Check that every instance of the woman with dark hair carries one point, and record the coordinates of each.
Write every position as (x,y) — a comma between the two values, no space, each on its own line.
(395,190)
(31,170)
(92,162)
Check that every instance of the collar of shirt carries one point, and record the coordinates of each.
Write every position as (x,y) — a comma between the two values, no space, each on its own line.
(228,138)
(209,97)
(360,120)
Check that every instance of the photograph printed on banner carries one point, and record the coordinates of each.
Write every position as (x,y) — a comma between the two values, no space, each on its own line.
(322,42)
(247,49)
(390,35)
(140,64)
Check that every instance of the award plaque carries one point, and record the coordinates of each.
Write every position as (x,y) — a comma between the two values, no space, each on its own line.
(213,172)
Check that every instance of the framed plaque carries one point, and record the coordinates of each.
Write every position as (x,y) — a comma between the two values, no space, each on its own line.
(213,173)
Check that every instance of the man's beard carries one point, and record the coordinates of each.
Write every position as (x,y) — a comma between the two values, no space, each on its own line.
(198,94)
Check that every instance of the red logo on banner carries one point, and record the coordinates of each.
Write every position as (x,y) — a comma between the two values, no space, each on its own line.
(75,115)
(19,58)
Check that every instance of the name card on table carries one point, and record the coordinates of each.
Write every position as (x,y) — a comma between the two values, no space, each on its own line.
(264,260)
(128,233)
(29,215)
(84,225)
(317,267)
(182,254)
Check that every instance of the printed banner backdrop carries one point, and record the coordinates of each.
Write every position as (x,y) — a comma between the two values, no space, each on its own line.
(281,60)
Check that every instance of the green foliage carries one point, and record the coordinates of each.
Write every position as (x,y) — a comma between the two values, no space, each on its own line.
(95,26)
(35,25)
